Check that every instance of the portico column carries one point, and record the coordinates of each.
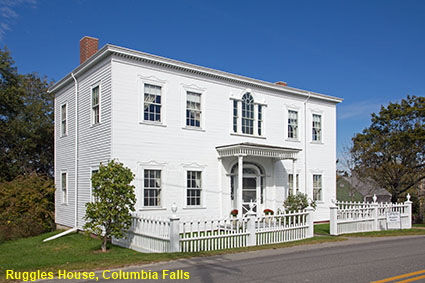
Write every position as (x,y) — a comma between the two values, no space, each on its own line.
(294,176)
(240,184)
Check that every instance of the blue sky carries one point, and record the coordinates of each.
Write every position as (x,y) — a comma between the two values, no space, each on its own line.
(366,52)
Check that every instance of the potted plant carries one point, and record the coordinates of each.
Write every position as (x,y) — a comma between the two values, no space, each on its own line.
(268,211)
(234,212)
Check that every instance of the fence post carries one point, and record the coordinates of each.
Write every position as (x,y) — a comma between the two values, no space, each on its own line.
(310,223)
(174,234)
(408,203)
(374,205)
(333,224)
(252,239)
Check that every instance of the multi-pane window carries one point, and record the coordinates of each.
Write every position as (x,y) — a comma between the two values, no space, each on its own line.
(64,189)
(95,105)
(193,109)
(291,184)
(317,127)
(194,187)
(317,187)
(64,127)
(152,103)
(247,114)
(152,188)
(292,124)
(235,116)
(260,120)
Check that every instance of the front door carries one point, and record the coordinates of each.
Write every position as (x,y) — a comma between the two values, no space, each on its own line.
(249,194)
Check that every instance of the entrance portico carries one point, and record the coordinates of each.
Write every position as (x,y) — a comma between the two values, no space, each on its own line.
(248,179)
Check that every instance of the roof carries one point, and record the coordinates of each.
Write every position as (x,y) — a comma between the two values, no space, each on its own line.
(109,50)
(366,188)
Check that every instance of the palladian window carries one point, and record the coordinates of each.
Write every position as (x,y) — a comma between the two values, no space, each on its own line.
(248,116)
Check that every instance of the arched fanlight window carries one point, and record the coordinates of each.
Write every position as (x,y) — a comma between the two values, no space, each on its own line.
(247,114)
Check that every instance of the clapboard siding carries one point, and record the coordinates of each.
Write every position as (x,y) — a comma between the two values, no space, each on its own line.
(64,156)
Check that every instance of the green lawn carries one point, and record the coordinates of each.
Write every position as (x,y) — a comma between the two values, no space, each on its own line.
(80,252)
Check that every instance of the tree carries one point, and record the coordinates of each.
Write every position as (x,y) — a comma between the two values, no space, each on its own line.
(26,122)
(114,198)
(391,151)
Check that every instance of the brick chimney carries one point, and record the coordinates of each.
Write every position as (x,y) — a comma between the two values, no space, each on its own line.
(281,83)
(88,47)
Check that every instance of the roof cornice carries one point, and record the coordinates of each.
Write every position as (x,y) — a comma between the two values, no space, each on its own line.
(186,67)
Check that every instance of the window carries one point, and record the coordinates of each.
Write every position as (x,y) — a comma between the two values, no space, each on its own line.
(194,187)
(260,119)
(95,105)
(93,171)
(152,103)
(152,188)
(247,114)
(292,124)
(235,116)
(193,109)
(317,127)
(64,127)
(317,187)
(291,184)
(64,189)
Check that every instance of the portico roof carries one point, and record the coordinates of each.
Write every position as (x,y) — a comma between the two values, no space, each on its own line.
(260,150)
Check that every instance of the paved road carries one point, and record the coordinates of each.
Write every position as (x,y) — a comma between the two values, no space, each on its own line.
(355,260)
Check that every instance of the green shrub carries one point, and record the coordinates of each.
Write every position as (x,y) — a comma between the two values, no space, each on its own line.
(297,202)
(26,207)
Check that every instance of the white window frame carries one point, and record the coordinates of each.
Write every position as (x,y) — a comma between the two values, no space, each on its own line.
(152,80)
(140,192)
(158,197)
(237,118)
(64,191)
(318,138)
(295,126)
(64,121)
(98,105)
(188,188)
(291,183)
(318,196)
(185,89)
(92,169)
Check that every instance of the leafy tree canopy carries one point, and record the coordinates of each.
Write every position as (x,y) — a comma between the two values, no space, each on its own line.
(391,151)
(114,198)
(26,122)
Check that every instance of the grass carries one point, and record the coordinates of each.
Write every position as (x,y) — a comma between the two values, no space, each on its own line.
(419,225)
(80,252)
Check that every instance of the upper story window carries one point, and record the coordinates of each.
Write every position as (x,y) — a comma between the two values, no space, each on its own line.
(248,116)
(95,104)
(64,118)
(317,128)
(292,124)
(152,103)
(193,109)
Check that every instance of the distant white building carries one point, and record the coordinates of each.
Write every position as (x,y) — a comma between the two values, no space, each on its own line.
(206,140)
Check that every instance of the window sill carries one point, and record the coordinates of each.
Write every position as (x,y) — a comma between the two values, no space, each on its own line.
(193,207)
(193,129)
(249,136)
(316,142)
(152,208)
(64,204)
(158,124)
(63,136)
(95,125)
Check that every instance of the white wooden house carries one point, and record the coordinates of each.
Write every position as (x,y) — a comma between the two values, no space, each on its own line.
(206,140)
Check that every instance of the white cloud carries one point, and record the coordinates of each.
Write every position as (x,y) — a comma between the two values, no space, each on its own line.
(9,15)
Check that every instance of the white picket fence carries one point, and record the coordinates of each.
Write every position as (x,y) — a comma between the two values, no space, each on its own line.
(353,217)
(175,235)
